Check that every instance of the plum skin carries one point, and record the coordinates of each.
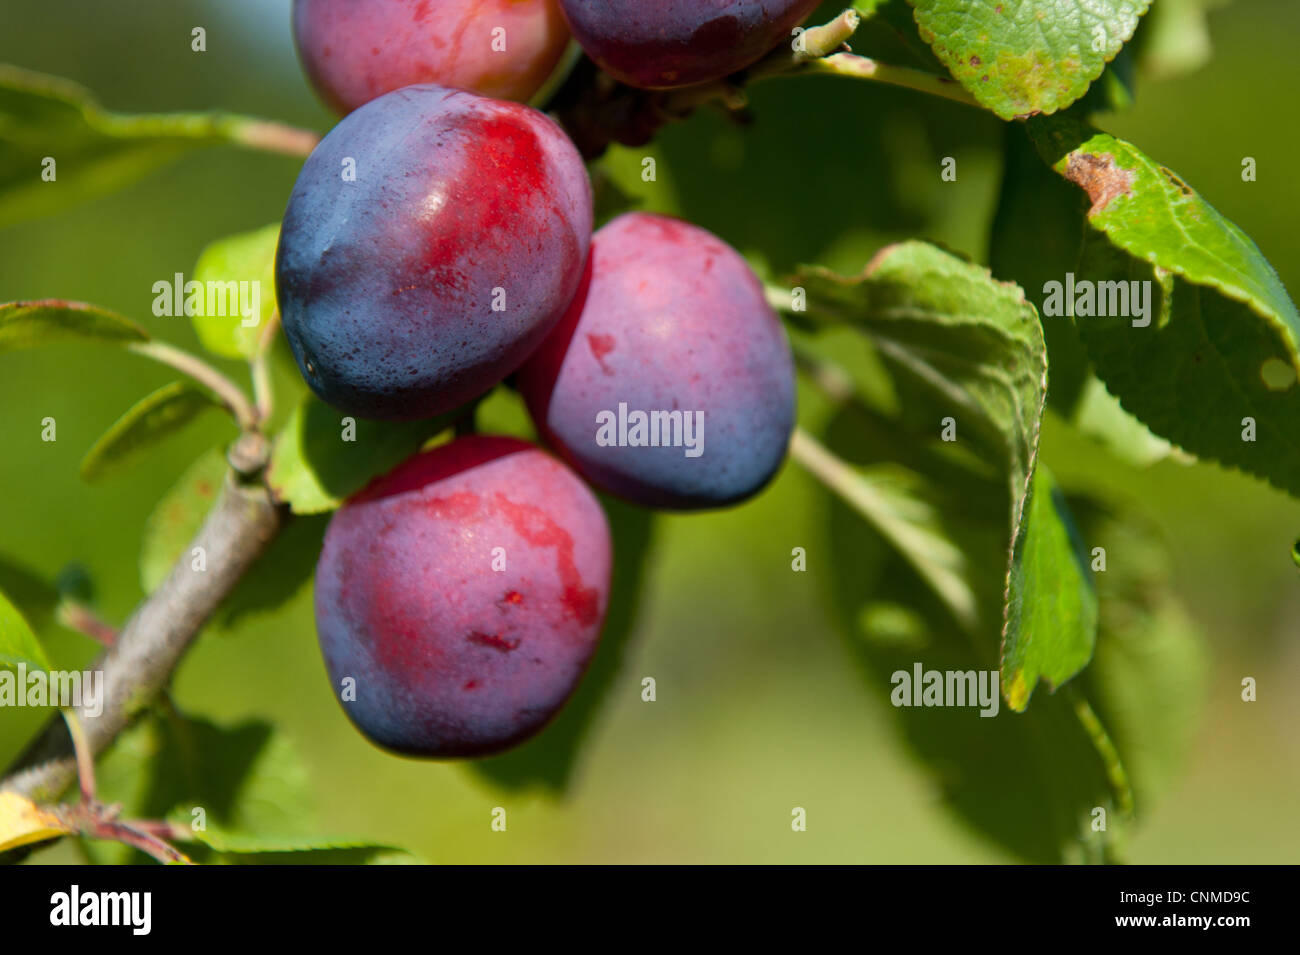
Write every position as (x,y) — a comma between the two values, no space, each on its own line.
(451,657)
(356,50)
(668,317)
(388,285)
(663,44)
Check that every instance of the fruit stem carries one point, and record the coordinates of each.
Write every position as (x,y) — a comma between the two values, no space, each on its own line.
(270,137)
(816,42)
(865,68)
(263,393)
(230,394)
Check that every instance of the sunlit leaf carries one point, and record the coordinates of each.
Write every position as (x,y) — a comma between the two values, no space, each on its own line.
(60,147)
(1213,363)
(322,456)
(18,645)
(1021,57)
(240,271)
(51,321)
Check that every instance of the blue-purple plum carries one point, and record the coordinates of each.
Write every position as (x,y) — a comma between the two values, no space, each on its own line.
(432,240)
(356,50)
(462,596)
(662,44)
(669,382)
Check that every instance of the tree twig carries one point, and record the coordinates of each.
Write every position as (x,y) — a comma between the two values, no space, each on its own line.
(260,364)
(239,529)
(230,394)
(77,616)
(270,136)
(865,68)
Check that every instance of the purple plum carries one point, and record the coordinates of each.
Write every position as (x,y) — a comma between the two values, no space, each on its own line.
(662,44)
(432,240)
(460,598)
(669,382)
(356,50)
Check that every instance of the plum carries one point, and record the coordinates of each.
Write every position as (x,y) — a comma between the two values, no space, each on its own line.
(669,382)
(432,240)
(662,44)
(464,594)
(356,50)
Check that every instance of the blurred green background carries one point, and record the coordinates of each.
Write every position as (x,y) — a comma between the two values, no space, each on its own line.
(761,703)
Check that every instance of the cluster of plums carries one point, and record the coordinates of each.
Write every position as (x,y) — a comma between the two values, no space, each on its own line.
(438,240)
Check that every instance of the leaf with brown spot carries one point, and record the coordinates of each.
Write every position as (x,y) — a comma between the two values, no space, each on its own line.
(1024,57)
(1221,341)
(1099,177)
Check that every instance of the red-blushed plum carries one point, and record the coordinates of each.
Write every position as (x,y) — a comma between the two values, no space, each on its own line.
(464,594)
(356,50)
(669,381)
(662,44)
(432,240)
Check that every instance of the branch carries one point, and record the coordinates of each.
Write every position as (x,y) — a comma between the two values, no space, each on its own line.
(239,529)
(229,393)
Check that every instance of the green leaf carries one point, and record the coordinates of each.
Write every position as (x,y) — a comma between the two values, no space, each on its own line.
(895,502)
(152,419)
(969,349)
(248,261)
(1035,238)
(1051,622)
(94,151)
(17,642)
(1021,57)
(1099,416)
(249,787)
(1115,90)
(1032,780)
(1220,350)
(30,591)
(946,329)
(322,456)
(241,849)
(51,321)
(177,517)
(1148,678)
(247,779)
(274,578)
(1027,780)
